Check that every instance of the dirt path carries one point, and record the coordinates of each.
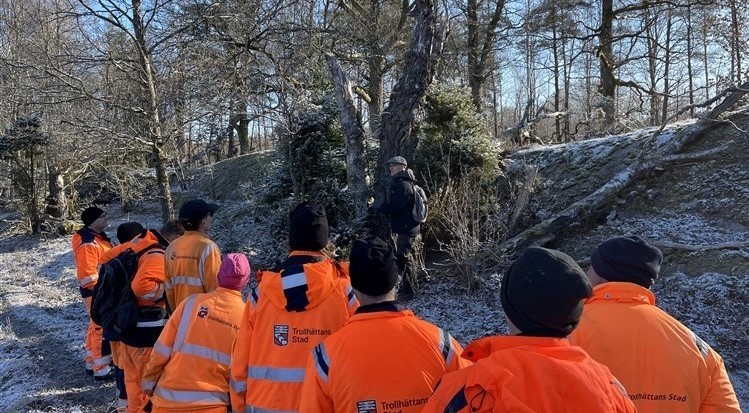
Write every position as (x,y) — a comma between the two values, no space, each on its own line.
(42,321)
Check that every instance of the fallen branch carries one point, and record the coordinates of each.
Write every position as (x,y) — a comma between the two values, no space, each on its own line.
(700,247)
(552,227)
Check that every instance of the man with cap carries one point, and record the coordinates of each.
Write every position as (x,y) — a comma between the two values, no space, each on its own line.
(192,260)
(294,307)
(664,366)
(398,206)
(535,369)
(188,370)
(384,356)
(89,244)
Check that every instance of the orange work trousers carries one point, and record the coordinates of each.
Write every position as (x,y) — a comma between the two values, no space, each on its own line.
(94,358)
(134,361)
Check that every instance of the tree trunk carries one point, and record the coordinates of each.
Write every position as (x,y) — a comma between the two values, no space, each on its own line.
(690,71)
(555,51)
(57,203)
(243,128)
(652,58)
(354,137)
(418,70)
(474,69)
(607,87)
(479,51)
(667,68)
(154,122)
(735,40)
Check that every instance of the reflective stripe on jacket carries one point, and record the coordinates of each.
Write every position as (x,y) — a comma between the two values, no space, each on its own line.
(664,366)
(385,357)
(192,263)
(148,287)
(529,375)
(88,247)
(290,312)
(189,366)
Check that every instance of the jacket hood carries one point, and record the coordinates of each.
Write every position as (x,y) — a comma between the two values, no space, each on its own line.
(146,239)
(302,282)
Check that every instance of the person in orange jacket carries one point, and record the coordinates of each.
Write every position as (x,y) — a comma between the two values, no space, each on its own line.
(125,233)
(89,243)
(148,289)
(536,369)
(192,261)
(353,369)
(294,307)
(189,368)
(664,365)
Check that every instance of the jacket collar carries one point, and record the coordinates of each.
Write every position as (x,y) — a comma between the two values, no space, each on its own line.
(484,347)
(621,292)
(392,306)
(101,235)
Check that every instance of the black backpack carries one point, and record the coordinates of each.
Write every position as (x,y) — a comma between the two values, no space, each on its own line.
(113,304)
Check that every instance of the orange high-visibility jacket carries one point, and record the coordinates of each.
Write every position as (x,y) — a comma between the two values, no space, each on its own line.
(384,358)
(88,247)
(189,365)
(148,288)
(192,263)
(664,366)
(290,312)
(529,375)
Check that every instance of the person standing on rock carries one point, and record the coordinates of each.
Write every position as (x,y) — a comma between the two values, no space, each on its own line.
(192,260)
(664,365)
(398,206)
(89,243)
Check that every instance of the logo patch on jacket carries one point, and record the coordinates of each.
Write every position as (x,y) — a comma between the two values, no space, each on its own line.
(366,406)
(280,334)
(173,256)
(203,312)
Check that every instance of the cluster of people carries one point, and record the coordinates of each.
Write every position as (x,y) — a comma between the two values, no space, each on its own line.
(322,335)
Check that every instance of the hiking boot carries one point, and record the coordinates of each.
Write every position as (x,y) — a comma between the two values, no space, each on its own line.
(105,374)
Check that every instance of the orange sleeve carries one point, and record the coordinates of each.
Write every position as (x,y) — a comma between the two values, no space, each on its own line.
(87,264)
(113,252)
(315,390)
(240,355)
(162,352)
(210,263)
(720,397)
(148,283)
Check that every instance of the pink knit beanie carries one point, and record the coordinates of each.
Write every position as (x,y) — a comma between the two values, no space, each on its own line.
(234,272)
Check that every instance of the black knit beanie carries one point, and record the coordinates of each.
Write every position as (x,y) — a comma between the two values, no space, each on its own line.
(543,292)
(91,214)
(372,269)
(128,231)
(308,227)
(628,259)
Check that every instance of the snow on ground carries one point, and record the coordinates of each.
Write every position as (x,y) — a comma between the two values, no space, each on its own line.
(42,318)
